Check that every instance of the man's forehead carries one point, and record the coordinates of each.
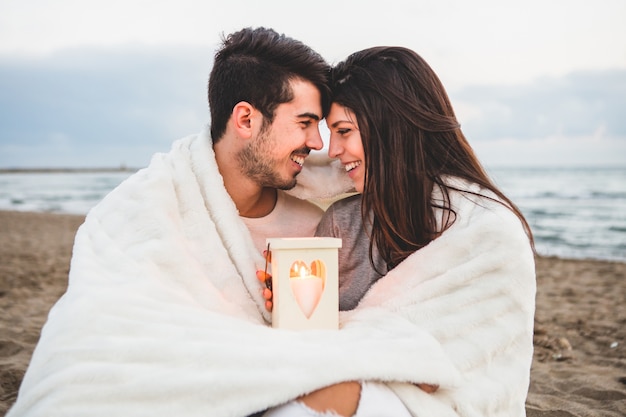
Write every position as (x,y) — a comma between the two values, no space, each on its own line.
(307,99)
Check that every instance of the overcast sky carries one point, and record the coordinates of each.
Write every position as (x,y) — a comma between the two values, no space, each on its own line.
(104,83)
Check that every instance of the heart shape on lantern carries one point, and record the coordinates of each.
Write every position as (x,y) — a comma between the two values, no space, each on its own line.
(307,284)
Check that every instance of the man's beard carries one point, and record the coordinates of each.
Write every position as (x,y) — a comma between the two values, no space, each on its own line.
(256,164)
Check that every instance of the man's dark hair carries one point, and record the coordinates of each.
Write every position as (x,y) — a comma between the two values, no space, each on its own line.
(257,66)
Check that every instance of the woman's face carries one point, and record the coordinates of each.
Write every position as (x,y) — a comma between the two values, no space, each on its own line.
(346,144)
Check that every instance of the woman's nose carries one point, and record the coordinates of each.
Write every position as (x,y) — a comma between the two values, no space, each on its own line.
(334,150)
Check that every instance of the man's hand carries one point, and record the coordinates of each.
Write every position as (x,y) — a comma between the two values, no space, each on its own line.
(342,398)
(264,277)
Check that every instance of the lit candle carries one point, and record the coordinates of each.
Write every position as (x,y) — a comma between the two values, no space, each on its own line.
(307,289)
(305,283)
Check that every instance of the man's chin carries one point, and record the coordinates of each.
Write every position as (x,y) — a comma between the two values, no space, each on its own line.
(287,184)
(286,187)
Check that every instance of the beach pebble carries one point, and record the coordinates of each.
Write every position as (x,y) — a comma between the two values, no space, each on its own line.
(563,343)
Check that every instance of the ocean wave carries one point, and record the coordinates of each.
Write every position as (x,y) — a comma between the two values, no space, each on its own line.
(574,213)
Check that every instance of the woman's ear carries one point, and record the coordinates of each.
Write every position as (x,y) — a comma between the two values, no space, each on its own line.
(242,116)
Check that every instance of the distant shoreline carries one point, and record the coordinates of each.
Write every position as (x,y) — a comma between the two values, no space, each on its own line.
(63,170)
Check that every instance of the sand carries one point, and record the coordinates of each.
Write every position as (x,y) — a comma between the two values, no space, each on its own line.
(579,365)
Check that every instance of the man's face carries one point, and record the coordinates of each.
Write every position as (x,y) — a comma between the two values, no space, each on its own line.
(275,157)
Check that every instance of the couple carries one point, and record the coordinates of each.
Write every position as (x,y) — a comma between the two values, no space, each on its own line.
(164,315)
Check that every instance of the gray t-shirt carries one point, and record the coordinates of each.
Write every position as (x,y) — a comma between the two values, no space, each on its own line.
(356,275)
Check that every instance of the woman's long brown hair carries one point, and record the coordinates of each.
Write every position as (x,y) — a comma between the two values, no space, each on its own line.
(412,142)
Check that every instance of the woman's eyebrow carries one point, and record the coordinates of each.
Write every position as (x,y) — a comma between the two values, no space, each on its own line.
(340,121)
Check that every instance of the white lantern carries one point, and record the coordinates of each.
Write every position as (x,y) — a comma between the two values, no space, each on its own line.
(305,284)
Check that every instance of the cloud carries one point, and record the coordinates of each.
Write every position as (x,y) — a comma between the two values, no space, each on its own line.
(111,106)
(91,100)
(588,151)
(580,104)
(465,41)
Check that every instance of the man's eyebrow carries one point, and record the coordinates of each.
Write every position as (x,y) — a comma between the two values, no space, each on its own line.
(310,116)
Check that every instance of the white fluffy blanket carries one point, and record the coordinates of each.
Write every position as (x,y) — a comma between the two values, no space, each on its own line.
(163,315)
(473,289)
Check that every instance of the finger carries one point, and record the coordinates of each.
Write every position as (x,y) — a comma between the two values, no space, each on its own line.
(428,388)
(262,276)
(267,294)
(268,305)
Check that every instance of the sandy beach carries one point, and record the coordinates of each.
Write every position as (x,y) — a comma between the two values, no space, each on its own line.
(579,366)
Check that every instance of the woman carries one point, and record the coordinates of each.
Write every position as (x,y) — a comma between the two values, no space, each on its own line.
(446,248)
(394,130)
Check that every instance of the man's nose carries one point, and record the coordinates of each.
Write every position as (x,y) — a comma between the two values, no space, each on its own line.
(314,141)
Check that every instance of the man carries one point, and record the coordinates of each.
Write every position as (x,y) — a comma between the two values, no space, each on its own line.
(260,151)
(264,127)
(163,314)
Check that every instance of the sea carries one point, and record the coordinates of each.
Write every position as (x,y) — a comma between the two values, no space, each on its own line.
(575,213)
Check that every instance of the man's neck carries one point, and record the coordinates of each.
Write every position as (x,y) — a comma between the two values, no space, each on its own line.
(257,205)
(250,199)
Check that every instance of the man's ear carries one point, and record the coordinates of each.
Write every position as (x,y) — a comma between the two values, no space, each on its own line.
(242,116)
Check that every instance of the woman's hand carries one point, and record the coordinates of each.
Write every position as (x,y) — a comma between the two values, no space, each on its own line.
(427,388)
(342,398)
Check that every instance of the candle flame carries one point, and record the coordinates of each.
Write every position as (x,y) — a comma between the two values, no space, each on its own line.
(299,270)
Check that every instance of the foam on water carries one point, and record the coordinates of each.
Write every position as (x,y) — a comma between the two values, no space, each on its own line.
(58,192)
(573,212)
